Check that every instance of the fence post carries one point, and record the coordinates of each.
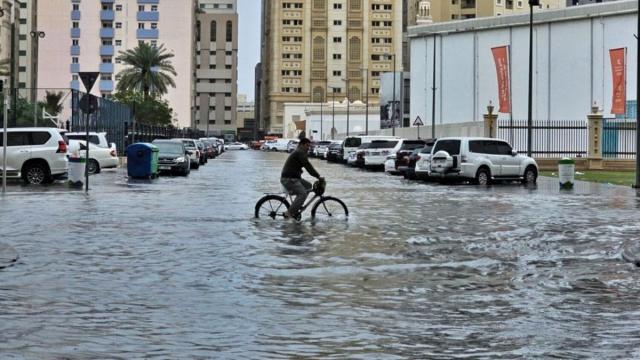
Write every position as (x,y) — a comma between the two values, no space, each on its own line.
(594,153)
(490,122)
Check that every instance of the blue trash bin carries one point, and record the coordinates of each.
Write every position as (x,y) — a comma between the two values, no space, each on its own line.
(142,160)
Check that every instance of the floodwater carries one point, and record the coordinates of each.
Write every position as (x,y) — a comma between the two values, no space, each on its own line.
(177,268)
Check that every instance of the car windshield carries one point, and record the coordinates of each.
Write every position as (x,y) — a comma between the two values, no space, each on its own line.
(383,144)
(169,148)
(189,144)
(364,146)
(352,142)
(426,149)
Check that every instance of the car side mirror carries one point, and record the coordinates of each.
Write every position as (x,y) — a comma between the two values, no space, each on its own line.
(514,153)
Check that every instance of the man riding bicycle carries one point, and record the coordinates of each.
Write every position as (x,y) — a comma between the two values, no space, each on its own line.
(291,177)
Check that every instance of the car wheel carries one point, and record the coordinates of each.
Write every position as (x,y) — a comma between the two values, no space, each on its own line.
(530,176)
(195,166)
(93,167)
(483,177)
(36,174)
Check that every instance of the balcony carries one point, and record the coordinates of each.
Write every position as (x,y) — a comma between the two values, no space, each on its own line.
(148,16)
(147,33)
(106,1)
(107,15)
(75,50)
(106,50)
(106,85)
(74,68)
(106,68)
(75,15)
(75,33)
(75,84)
(107,33)
(148,1)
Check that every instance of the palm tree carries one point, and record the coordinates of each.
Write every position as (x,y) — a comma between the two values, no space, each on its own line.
(149,71)
(52,103)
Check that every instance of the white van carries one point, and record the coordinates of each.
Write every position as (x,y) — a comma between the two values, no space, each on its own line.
(351,143)
(277,145)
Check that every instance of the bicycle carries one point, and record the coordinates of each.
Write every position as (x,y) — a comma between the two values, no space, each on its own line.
(273,205)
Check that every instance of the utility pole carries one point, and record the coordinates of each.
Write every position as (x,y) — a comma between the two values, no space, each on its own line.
(532,3)
(433,88)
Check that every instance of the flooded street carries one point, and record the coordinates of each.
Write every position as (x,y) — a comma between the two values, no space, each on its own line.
(177,268)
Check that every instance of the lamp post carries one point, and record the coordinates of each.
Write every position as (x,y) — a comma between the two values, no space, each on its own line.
(366,116)
(532,3)
(321,101)
(346,83)
(333,111)
(637,185)
(393,104)
(36,36)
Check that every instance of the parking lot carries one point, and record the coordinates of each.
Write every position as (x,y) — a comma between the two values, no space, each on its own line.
(177,267)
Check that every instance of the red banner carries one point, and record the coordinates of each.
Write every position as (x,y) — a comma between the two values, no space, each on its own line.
(501,58)
(619,77)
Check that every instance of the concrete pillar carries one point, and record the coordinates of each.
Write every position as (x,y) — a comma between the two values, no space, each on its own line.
(490,122)
(594,153)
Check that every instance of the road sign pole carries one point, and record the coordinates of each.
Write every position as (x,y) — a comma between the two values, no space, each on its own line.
(418,131)
(88,80)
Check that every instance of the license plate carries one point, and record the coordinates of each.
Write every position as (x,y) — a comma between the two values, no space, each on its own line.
(164,167)
(375,153)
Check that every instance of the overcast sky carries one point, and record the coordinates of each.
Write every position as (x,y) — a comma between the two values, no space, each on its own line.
(248,45)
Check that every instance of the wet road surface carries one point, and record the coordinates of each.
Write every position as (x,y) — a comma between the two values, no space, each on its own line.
(178,268)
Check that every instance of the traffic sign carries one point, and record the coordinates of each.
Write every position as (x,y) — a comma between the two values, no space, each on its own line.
(418,122)
(89,104)
(88,79)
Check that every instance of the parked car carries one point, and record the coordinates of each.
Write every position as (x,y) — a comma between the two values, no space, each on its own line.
(334,152)
(202,155)
(352,143)
(405,151)
(99,157)
(173,157)
(256,145)
(36,155)
(292,145)
(194,153)
(379,150)
(321,148)
(422,166)
(277,145)
(236,146)
(481,161)
(357,158)
(408,170)
(97,138)
(211,151)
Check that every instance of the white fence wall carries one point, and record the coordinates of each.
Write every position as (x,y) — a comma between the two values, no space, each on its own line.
(571,65)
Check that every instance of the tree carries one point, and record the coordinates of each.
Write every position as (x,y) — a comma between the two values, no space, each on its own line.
(4,67)
(151,111)
(52,103)
(149,70)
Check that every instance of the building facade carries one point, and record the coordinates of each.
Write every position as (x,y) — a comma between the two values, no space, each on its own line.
(572,67)
(89,35)
(216,66)
(585,2)
(441,11)
(28,36)
(315,49)
(6,26)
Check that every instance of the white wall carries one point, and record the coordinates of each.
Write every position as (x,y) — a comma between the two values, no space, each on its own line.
(571,65)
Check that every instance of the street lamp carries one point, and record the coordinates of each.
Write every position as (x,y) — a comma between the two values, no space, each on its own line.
(532,3)
(366,117)
(36,35)
(333,110)
(346,82)
(393,104)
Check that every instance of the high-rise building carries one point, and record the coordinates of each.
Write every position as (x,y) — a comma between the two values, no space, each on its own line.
(89,35)
(318,50)
(469,9)
(6,26)
(216,66)
(28,36)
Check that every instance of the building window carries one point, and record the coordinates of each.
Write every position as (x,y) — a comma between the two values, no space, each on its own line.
(318,48)
(75,42)
(337,73)
(354,49)
(76,7)
(154,25)
(214,31)
(118,7)
(154,7)
(75,24)
(74,60)
(118,42)
(198,30)
(337,6)
(229,31)
(140,7)
(355,4)
(337,56)
(118,25)
(337,39)
(319,4)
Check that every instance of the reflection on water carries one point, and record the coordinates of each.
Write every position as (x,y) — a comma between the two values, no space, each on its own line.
(178,268)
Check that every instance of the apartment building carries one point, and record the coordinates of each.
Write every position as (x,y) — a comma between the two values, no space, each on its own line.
(89,35)
(447,10)
(216,67)
(317,50)
(27,37)
(586,2)
(6,25)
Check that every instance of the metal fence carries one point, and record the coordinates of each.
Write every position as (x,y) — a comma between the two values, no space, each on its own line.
(550,138)
(618,139)
(32,107)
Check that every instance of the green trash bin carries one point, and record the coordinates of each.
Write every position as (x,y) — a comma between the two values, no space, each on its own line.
(154,161)
(566,173)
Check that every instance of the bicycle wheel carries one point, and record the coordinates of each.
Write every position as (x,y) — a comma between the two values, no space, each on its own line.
(330,208)
(271,206)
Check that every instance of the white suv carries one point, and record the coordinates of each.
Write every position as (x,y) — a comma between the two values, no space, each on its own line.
(480,160)
(37,155)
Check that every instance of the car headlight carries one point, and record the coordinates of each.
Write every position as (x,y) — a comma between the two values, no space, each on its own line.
(180,159)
